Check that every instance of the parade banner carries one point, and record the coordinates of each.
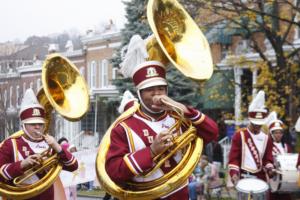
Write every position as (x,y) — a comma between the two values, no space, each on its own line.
(86,169)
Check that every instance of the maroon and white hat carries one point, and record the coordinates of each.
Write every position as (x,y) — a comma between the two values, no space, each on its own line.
(31,111)
(135,65)
(257,112)
(276,125)
(148,74)
(273,122)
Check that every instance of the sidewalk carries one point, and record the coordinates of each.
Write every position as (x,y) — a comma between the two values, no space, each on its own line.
(96,193)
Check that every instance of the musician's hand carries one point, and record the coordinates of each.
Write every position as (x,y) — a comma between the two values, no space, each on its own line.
(271,173)
(31,160)
(161,141)
(52,143)
(163,102)
(235,179)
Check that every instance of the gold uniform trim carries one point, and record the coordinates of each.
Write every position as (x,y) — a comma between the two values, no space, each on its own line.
(129,135)
(129,165)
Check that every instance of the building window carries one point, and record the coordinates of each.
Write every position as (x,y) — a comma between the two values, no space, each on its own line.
(297,31)
(88,121)
(38,84)
(297,19)
(24,88)
(243,47)
(104,73)
(10,95)
(224,50)
(115,73)
(81,70)
(268,44)
(92,74)
(5,98)
(17,96)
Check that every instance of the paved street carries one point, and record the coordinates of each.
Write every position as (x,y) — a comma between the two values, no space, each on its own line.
(87,198)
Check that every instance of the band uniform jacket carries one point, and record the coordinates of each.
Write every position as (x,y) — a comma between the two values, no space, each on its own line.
(15,149)
(280,148)
(129,154)
(250,154)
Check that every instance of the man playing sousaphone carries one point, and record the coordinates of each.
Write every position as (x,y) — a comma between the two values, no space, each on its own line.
(137,139)
(251,149)
(20,152)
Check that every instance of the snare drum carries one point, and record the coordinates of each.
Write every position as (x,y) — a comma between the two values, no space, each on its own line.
(287,180)
(252,188)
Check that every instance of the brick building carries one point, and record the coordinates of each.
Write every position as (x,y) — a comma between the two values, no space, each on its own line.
(19,73)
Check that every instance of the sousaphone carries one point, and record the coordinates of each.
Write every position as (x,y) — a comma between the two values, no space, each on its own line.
(179,41)
(65,91)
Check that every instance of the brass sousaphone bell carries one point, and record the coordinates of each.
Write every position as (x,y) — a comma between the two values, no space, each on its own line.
(65,91)
(179,41)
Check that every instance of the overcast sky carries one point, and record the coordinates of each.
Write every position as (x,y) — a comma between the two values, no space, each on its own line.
(20,19)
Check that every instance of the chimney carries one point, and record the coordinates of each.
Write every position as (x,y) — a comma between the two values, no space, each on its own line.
(53,48)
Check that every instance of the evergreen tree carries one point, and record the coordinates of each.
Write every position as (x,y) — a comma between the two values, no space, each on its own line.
(183,89)
(136,24)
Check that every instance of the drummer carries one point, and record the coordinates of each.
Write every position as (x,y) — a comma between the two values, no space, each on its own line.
(279,147)
(251,149)
(297,128)
(276,131)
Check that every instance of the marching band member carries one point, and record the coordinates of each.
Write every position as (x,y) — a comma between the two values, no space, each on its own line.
(276,131)
(138,138)
(297,128)
(251,149)
(279,147)
(18,153)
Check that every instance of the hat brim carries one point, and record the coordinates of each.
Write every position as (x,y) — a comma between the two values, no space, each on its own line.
(257,121)
(34,120)
(276,128)
(152,82)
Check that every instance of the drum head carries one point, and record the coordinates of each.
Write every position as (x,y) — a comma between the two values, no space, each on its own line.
(252,185)
(285,181)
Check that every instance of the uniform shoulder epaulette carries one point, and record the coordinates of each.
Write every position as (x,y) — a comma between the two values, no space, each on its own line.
(127,114)
(119,121)
(16,134)
(13,136)
(242,129)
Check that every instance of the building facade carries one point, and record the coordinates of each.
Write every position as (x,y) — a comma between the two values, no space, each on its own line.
(93,62)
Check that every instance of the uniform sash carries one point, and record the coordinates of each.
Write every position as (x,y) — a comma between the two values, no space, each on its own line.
(248,140)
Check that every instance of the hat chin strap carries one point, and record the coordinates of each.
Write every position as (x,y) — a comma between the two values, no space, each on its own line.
(31,137)
(148,109)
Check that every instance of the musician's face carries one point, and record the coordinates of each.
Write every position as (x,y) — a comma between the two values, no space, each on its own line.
(35,130)
(277,135)
(255,128)
(147,95)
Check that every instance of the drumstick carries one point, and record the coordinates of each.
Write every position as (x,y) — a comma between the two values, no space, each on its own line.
(278,171)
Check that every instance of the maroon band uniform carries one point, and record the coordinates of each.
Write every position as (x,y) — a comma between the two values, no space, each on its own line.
(15,149)
(250,154)
(129,154)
